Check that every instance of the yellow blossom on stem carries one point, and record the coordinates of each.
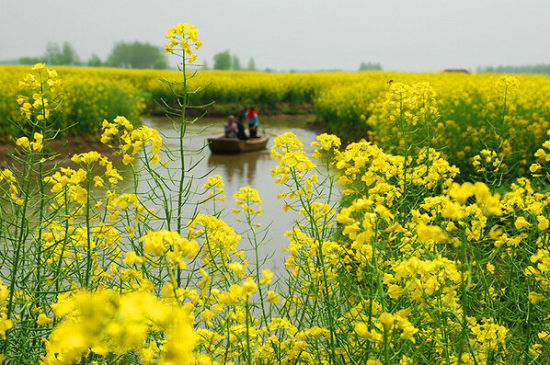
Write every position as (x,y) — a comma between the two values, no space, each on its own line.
(185,37)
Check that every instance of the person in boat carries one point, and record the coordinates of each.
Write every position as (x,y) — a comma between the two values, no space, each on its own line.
(241,134)
(230,128)
(253,122)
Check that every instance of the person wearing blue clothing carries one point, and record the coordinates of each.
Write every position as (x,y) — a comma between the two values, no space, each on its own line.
(253,122)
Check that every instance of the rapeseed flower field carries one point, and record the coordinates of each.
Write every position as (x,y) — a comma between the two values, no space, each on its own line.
(505,116)
(417,264)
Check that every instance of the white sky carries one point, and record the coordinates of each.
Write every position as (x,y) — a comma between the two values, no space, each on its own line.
(407,35)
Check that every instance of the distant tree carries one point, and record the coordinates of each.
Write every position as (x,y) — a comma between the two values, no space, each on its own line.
(52,56)
(531,69)
(370,66)
(160,63)
(204,65)
(30,60)
(251,65)
(95,61)
(137,55)
(56,55)
(9,62)
(68,55)
(222,61)
(235,63)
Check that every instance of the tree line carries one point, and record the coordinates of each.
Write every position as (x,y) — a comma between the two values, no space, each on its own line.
(540,68)
(225,61)
(123,55)
(142,55)
(370,66)
(127,55)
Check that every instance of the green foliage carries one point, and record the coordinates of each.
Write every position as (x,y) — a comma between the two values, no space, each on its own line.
(91,102)
(540,68)
(251,65)
(160,64)
(95,61)
(64,55)
(222,61)
(30,60)
(84,101)
(235,63)
(371,66)
(54,55)
(137,55)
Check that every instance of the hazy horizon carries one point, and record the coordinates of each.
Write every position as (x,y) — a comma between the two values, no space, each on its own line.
(295,35)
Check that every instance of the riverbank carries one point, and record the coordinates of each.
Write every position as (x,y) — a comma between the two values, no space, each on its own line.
(62,147)
(216,117)
(223,110)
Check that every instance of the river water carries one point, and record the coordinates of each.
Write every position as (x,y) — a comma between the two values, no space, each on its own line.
(252,168)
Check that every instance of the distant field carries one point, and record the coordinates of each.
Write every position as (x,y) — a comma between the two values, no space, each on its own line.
(468,113)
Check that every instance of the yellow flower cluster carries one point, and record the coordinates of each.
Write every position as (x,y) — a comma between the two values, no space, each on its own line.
(42,83)
(185,37)
(36,145)
(408,111)
(67,186)
(458,114)
(5,323)
(73,108)
(293,162)
(106,322)
(120,204)
(220,239)
(246,199)
(8,179)
(132,141)
(169,244)
(327,143)
(486,158)
(418,239)
(215,186)
(385,325)
(541,167)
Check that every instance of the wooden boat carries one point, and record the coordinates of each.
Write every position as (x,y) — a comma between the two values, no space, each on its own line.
(222,145)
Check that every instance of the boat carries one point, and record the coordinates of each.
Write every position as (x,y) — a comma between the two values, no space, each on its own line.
(222,145)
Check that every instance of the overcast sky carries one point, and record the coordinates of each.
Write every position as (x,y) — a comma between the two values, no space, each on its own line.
(407,35)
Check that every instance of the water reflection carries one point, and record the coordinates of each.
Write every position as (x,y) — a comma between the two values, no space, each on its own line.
(238,169)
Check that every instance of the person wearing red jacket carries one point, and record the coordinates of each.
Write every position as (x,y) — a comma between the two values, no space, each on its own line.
(253,122)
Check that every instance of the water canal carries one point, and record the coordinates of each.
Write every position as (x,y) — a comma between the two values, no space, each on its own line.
(252,168)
